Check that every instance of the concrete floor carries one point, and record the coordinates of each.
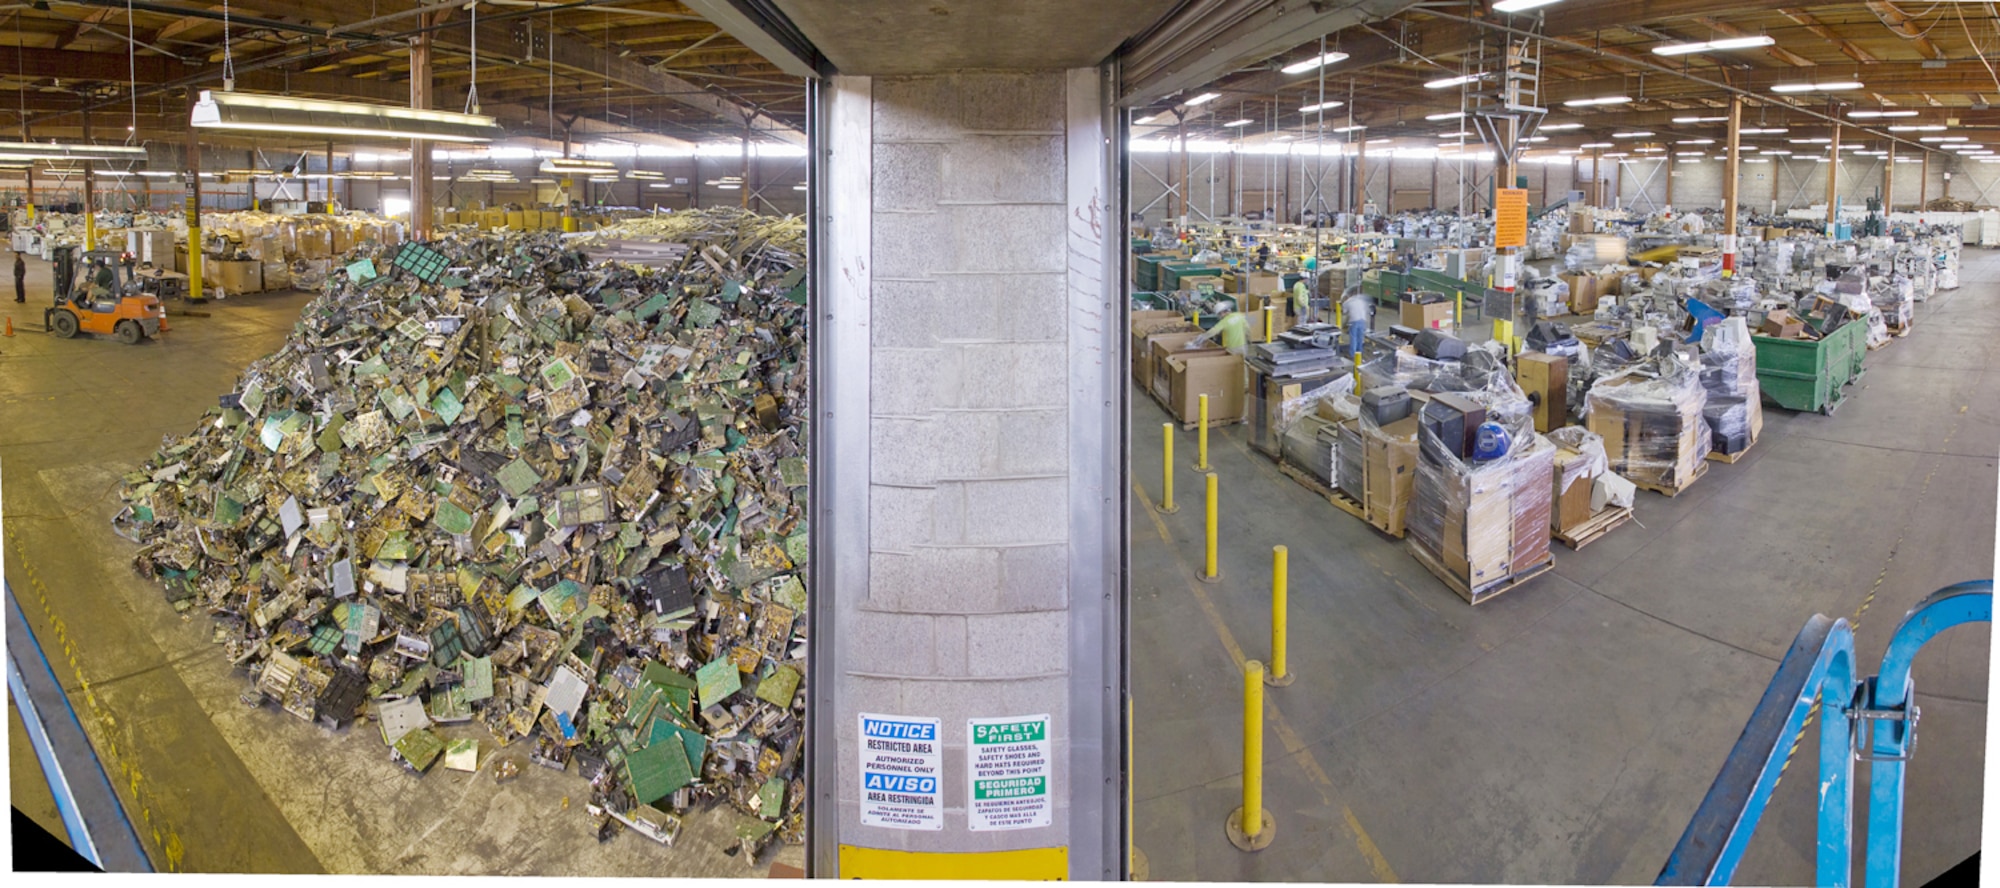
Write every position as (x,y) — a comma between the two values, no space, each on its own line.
(1565,731)
(211,785)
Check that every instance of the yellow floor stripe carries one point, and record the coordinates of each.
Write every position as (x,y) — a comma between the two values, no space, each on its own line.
(1295,747)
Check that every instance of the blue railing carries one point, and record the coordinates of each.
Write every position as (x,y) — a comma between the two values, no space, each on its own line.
(1818,674)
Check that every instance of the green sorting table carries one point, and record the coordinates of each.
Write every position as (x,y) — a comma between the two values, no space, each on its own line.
(1801,374)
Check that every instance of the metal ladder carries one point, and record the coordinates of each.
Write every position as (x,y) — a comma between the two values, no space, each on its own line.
(1818,676)
(1509,111)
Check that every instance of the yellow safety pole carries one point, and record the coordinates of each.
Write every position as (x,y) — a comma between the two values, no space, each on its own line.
(1267,323)
(1167,470)
(1210,570)
(1458,311)
(1250,827)
(1201,438)
(1279,676)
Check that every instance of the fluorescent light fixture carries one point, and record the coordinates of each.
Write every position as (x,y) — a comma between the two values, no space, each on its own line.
(1695,142)
(1940,138)
(644,174)
(1521,5)
(1449,115)
(1535,139)
(729,186)
(1618,154)
(1708,45)
(1763,131)
(1380,141)
(1337,129)
(53,151)
(659,185)
(1448,82)
(1634,134)
(1689,154)
(1244,122)
(1908,160)
(1755,160)
(1457,135)
(1917,128)
(247,112)
(158,174)
(1202,99)
(577,165)
(1650,149)
(541,181)
(1870,115)
(1595,145)
(798,187)
(603,178)
(1311,63)
(1780,153)
(1323,106)
(1700,119)
(1601,100)
(1809,141)
(1828,86)
(1559,127)
(1146,119)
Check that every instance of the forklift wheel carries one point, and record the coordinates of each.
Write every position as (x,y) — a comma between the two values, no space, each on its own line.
(64,324)
(129,332)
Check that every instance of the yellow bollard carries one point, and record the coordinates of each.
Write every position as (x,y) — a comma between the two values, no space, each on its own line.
(1279,676)
(1210,571)
(1250,827)
(1167,473)
(1267,323)
(1201,438)
(1458,312)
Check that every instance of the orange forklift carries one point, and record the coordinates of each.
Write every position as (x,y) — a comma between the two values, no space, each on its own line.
(98,295)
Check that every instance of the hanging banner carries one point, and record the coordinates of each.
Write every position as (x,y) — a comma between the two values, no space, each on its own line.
(1008,770)
(901,772)
(1510,217)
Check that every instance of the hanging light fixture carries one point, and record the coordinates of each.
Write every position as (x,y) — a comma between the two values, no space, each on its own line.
(32,151)
(245,112)
(577,165)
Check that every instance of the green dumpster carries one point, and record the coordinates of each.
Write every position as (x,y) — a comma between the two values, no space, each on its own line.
(1802,374)
(1172,271)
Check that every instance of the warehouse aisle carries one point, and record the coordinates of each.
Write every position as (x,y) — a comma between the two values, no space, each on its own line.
(215,785)
(1565,731)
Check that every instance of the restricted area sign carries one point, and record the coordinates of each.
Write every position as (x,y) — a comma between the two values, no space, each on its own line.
(901,765)
(1008,768)
(1510,217)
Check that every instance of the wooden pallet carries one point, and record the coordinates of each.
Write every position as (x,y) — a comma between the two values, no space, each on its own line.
(1600,524)
(1486,592)
(1334,495)
(1700,470)
(1214,423)
(1733,458)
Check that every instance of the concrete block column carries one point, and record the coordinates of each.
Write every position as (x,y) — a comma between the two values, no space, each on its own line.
(962,474)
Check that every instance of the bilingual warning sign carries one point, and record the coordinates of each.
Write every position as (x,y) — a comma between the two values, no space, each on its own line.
(1510,217)
(1007,760)
(901,769)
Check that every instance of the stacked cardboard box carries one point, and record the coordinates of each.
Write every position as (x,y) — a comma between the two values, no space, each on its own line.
(1484,523)
(1379,469)
(1212,372)
(1146,323)
(1653,429)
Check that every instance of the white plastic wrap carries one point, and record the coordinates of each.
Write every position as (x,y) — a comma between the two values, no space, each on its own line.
(1650,416)
(1485,522)
(1733,407)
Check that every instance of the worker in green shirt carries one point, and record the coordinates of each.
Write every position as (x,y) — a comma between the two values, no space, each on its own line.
(1301,301)
(1234,331)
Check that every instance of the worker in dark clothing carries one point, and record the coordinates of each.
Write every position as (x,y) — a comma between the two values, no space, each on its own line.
(20,278)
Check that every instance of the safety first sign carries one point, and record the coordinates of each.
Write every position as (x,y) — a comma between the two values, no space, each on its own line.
(901,765)
(1007,760)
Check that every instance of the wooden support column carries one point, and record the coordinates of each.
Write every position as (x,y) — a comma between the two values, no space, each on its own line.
(745,190)
(1597,177)
(1671,163)
(1832,179)
(1889,183)
(421,212)
(89,191)
(25,137)
(1923,182)
(1180,123)
(193,209)
(1730,171)
(1389,186)
(1434,182)
(326,191)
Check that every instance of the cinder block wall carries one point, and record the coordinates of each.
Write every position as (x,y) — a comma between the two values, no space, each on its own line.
(967,606)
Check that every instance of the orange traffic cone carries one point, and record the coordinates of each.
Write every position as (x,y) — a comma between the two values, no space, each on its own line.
(10,326)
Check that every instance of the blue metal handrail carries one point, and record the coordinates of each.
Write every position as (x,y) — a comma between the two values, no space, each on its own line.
(1818,671)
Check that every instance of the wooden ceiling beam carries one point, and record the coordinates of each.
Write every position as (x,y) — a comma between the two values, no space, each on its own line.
(1847,47)
(1897,21)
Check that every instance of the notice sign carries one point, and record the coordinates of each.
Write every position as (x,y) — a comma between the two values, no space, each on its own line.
(1007,760)
(901,765)
(1510,217)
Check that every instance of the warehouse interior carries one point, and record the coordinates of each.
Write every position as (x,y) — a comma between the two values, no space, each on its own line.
(1361,441)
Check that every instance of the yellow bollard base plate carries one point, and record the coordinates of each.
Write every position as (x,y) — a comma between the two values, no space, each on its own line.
(1168,510)
(1202,468)
(1280,681)
(1141,870)
(1206,578)
(1245,842)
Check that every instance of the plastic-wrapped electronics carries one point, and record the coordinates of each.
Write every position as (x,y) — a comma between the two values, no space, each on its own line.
(1650,416)
(1481,522)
